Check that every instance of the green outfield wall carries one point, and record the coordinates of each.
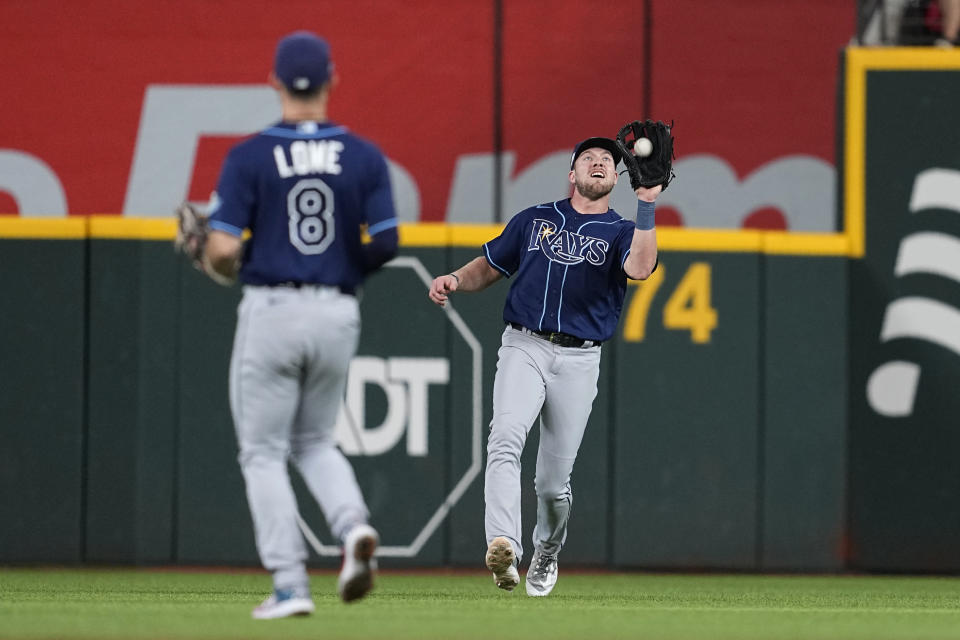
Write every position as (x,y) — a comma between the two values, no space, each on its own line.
(717,438)
(773,401)
(905,310)
(43,396)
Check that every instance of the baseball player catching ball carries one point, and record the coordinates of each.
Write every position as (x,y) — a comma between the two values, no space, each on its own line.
(303,188)
(569,261)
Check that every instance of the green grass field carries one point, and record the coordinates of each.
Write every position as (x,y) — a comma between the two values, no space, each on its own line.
(141,603)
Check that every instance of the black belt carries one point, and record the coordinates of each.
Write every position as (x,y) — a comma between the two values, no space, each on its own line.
(294,284)
(560,339)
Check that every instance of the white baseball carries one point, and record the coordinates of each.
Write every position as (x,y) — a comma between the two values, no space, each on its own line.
(643,147)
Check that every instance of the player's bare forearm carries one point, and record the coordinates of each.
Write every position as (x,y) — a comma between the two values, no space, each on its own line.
(643,248)
(643,255)
(476,275)
(221,257)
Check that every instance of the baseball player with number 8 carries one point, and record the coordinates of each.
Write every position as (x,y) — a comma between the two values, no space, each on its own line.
(304,188)
(569,261)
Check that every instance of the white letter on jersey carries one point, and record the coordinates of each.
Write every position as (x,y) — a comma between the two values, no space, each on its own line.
(309,156)
(300,157)
(282,167)
(325,156)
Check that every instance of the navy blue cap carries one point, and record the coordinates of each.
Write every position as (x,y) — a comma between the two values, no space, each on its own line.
(302,62)
(603,143)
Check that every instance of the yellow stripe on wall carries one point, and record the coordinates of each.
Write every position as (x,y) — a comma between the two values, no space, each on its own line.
(431,234)
(860,61)
(43,228)
(905,58)
(853,154)
(121,227)
(807,244)
(737,240)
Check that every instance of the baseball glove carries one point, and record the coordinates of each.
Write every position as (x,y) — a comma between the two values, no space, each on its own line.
(655,168)
(192,231)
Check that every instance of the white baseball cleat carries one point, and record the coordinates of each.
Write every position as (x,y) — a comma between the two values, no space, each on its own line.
(542,574)
(500,559)
(359,565)
(283,604)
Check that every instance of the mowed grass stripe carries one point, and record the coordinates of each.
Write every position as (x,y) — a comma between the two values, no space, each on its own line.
(144,604)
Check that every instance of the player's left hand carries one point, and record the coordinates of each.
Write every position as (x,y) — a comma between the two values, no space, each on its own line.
(657,166)
(192,231)
(441,288)
(193,234)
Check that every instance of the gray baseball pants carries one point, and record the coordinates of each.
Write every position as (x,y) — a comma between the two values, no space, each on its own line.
(291,354)
(535,377)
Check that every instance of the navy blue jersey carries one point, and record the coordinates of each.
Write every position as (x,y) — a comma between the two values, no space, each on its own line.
(303,190)
(569,269)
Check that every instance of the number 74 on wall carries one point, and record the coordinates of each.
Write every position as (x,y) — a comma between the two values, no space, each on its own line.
(687,309)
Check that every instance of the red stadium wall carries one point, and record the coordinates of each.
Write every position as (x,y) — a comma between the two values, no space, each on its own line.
(750,85)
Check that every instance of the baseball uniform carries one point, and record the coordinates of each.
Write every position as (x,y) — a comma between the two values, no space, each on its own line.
(304,190)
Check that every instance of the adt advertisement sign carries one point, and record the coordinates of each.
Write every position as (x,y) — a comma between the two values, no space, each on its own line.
(411,420)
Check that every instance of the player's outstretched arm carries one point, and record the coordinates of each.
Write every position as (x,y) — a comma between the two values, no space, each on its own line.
(643,249)
(643,255)
(473,276)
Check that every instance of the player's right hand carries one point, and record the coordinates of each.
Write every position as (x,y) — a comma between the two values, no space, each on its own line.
(441,287)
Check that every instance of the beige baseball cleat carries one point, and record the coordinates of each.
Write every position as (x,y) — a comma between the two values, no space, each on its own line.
(359,565)
(501,560)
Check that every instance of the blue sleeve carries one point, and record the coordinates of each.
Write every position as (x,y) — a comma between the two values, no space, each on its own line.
(231,209)
(381,248)
(505,251)
(378,211)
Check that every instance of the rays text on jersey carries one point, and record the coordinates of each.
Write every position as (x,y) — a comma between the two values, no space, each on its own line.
(566,247)
(304,157)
